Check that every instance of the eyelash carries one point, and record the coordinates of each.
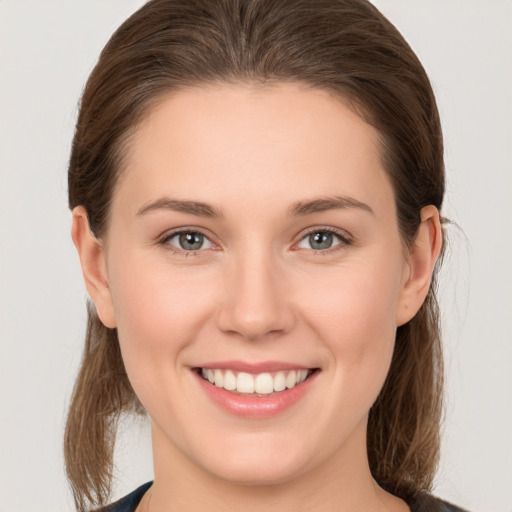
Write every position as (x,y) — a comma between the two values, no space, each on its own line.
(343,238)
(164,241)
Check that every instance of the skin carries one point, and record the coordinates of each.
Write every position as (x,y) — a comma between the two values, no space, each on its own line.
(257,291)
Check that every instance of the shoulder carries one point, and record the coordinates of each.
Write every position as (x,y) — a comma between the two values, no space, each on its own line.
(448,507)
(128,503)
(428,503)
(423,503)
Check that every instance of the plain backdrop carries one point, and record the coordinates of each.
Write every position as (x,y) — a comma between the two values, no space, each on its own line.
(47,49)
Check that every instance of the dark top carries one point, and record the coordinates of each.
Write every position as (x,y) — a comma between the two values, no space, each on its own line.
(128,503)
(425,504)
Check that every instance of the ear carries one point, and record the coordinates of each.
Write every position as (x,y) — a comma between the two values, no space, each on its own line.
(94,269)
(422,257)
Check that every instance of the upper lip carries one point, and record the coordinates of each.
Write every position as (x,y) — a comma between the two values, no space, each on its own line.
(253,367)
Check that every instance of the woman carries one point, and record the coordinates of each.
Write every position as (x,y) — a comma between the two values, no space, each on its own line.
(256,188)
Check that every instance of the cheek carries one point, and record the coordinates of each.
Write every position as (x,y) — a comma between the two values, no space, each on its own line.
(354,312)
(356,303)
(159,312)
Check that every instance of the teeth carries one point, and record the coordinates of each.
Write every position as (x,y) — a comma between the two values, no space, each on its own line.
(280,382)
(264,384)
(219,378)
(229,381)
(291,379)
(261,384)
(245,383)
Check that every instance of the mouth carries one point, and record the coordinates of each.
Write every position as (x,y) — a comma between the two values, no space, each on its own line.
(255,390)
(255,384)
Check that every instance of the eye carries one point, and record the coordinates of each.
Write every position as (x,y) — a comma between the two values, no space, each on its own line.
(321,240)
(188,241)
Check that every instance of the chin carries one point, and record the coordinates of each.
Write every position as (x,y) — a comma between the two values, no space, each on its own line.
(258,473)
(262,464)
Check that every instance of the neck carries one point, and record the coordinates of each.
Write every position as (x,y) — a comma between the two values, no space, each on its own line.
(342,483)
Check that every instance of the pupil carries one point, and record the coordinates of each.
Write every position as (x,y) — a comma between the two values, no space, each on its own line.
(191,241)
(320,240)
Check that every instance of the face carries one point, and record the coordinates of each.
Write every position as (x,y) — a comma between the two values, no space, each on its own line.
(256,276)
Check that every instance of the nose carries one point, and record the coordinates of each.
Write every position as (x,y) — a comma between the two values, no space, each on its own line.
(256,303)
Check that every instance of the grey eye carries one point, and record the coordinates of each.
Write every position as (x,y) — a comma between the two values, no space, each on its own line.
(190,241)
(320,240)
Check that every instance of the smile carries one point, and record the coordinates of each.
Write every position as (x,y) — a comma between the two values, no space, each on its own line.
(255,390)
(254,384)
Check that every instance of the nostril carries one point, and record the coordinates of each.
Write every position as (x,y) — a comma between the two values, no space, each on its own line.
(255,325)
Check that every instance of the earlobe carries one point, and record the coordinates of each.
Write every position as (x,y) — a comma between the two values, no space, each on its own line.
(423,255)
(92,260)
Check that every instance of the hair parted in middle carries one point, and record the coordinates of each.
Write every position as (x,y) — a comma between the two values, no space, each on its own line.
(346,47)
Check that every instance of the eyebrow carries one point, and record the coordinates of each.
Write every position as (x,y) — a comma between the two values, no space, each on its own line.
(300,208)
(191,207)
(322,204)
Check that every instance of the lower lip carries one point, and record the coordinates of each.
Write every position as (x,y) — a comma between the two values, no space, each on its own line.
(247,406)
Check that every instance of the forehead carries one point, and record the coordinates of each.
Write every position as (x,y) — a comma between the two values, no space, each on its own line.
(212,142)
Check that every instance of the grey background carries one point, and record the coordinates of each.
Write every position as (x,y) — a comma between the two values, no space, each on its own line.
(47,49)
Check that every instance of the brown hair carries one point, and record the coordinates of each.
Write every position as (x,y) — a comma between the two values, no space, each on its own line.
(344,46)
